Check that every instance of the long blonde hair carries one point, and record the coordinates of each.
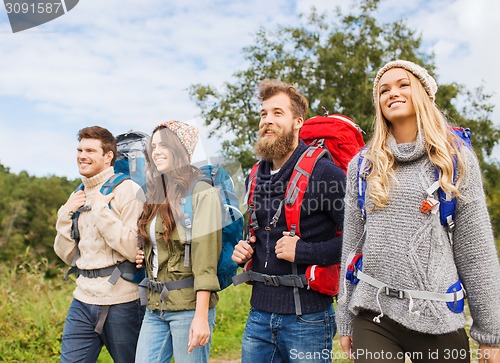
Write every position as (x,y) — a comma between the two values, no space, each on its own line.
(442,147)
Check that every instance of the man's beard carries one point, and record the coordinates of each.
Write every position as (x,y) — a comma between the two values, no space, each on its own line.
(269,148)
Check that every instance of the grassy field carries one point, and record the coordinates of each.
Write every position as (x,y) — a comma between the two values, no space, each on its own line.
(33,308)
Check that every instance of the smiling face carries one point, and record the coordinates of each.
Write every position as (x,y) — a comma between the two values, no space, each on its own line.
(276,115)
(161,154)
(91,158)
(278,128)
(395,99)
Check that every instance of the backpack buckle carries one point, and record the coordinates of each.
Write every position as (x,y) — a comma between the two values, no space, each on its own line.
(297,281)
(400,294)
(271,280)
(92,274)
(428,205)
(450,223)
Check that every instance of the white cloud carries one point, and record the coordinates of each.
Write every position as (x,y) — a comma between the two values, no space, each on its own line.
(126,65)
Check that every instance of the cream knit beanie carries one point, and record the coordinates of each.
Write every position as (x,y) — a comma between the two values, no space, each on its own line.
(422,75)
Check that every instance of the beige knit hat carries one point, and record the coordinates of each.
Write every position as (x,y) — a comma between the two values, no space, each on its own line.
(423,76)
(187,134)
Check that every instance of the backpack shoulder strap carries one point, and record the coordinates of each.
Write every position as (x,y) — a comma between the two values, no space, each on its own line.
(447,204)
(294,195)
(106,188)
(113,182)
(252,217)
(75,234)
(186,205)
(222,179)
(297,186)
(363,170)
(463,133)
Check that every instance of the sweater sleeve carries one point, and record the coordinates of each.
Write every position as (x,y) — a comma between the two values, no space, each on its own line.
(207,237)
(118,224)
(476,256)
(330,187)
(353,238)
(64,245)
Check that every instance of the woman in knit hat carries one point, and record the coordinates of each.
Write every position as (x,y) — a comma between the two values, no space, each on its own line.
(181,286)
(406,296)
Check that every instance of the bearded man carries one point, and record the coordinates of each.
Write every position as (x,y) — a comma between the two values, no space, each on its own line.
(276,331)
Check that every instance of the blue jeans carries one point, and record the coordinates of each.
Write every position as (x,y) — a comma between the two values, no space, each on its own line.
(80,343)
(273,338)
(166,334)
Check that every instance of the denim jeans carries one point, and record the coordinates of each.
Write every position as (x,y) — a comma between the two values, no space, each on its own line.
(274,338)
(166,334)
(80,343)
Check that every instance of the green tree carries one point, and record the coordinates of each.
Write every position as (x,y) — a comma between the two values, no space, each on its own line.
(332,58)
(28,213)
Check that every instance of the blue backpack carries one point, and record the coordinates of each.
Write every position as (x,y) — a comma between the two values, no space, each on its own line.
(232,220)
(446,206)
(131,159)
(129,165)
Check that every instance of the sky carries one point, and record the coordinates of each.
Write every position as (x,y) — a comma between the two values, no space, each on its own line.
(128,64)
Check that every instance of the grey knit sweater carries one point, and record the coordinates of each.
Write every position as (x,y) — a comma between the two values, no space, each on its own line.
(407,249)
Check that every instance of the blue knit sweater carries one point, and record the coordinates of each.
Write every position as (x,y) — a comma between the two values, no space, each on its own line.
(321,215)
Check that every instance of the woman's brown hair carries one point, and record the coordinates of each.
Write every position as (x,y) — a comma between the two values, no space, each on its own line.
(164,191)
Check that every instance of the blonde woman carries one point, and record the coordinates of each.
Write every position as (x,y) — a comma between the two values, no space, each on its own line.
(398,303)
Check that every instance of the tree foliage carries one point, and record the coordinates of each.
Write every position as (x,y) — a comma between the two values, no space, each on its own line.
(332,59)
(28,213)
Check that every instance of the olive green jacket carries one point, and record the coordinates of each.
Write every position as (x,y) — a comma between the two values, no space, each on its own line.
(206,247)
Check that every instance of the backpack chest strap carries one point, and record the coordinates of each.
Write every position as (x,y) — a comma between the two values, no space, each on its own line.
(291,280)
(406,294)
(162,287)
(114,271)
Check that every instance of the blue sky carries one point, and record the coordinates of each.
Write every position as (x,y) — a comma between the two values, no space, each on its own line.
(127,64)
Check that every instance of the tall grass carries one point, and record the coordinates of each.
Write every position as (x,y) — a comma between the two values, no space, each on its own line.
(34,300)
(232,311)
(33,308)
(32,312)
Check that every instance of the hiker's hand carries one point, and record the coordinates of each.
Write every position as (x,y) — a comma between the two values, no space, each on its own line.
(199,333)
(487,354)
(101,198)
(139,258)
(285,247)
(243,251)
(75,201)
(346,344)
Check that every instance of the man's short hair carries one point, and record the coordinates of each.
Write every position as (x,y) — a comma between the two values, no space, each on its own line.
(108,141)
(271,87)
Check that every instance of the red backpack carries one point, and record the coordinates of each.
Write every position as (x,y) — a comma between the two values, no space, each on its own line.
(343,138)
(334,136)
(341,135)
